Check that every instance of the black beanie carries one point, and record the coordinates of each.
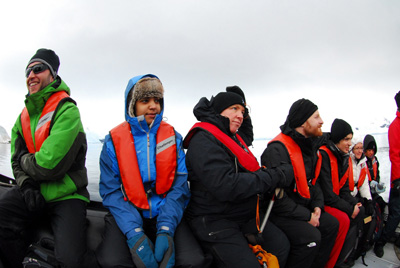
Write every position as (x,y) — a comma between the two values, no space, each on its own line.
(339,130)
(237,90)
(48,57)
(300,111)
(397,99)
(224,100)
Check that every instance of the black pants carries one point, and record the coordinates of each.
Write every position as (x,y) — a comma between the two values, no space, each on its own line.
(114,251)
(309,246)
(67,220)
(226,241)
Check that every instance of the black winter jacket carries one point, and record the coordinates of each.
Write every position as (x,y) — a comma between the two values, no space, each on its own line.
(220,187)
(344,201)
(292,205)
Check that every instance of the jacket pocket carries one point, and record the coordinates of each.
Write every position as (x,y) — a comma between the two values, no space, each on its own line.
(212,230)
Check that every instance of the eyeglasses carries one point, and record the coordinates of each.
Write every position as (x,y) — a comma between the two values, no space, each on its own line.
(38,68)
(358,148)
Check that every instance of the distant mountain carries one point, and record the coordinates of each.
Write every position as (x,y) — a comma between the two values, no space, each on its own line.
(4,138)
(378,129)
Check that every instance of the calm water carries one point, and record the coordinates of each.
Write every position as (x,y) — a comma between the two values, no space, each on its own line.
(94,149)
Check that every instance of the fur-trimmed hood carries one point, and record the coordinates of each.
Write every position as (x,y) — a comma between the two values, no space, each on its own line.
(131,86)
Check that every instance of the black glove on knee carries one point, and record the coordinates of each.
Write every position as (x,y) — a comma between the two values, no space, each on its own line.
(34,200)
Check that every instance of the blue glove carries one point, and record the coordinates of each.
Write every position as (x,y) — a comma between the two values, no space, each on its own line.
(165,250)
(141,249)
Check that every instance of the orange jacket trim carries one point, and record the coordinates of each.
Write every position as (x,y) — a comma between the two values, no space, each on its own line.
(374,168)
(246,159)
(43,127)
(361,178)
(166,162)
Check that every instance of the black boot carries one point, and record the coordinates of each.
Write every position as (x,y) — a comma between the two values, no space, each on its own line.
(378,248)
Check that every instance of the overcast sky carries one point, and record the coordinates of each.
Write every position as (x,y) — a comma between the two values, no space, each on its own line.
(342,55)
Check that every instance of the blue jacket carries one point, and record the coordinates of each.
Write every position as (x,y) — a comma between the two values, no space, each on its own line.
(169,210)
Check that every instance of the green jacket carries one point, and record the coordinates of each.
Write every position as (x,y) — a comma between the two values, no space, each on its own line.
(59,165)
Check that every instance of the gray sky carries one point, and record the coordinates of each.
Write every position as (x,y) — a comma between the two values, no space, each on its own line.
(342,55)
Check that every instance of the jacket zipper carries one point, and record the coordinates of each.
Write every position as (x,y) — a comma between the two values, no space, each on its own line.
(148,169)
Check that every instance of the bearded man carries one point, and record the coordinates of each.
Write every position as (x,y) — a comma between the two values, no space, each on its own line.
(300,212)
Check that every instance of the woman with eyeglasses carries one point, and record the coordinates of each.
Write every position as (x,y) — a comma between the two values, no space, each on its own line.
(361,191)
(361,175)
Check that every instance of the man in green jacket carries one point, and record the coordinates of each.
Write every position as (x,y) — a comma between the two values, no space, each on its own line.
(48,151)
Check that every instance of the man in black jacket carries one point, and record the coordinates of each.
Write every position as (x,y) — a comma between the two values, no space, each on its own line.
(225,181)
(300,213)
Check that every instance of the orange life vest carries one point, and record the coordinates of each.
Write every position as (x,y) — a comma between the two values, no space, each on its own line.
(361,178)
(166,162)
(336,183)
(246,159)
(296,158)
(43,127)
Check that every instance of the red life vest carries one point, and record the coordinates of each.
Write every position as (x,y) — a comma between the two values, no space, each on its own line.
(166,162)
(43,126)
(336,183)
(246,159)
(296,158)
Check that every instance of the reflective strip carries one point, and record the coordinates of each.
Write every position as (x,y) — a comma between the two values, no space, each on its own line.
(44,119)
(165,144)
(165,228)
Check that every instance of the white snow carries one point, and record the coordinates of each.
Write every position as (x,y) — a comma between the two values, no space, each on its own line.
(4,137)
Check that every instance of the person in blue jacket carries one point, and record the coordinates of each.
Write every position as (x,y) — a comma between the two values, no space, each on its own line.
(143,182)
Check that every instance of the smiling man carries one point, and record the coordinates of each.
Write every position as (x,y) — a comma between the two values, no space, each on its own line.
(48,148)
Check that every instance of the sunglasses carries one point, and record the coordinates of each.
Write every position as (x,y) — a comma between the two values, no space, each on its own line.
(38,68)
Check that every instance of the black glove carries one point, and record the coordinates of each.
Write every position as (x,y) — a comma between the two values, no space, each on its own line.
(369,207)
(34,200)
(237,90)
(287,175)
(395,187)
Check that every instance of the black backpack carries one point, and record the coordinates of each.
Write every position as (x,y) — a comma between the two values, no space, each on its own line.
(41,254)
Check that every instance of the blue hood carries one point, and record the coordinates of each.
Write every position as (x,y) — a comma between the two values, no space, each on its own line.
(128,89)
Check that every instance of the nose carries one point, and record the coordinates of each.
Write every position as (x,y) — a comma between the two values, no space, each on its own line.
(152,104)
(239,115)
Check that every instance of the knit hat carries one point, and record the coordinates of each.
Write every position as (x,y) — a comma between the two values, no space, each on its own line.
(237,90)
(355,140)
(397,99)
(300,111)
(224,100)
(147,87)
(48,57)
(339,130)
